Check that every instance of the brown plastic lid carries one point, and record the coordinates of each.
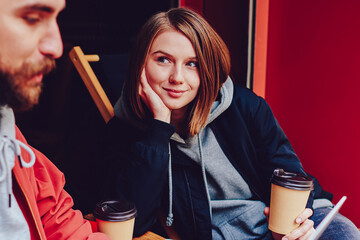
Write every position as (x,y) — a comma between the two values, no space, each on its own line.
(292,180)
(115,211)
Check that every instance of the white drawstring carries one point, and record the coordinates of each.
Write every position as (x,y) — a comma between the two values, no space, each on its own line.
(9,147)
(170,219)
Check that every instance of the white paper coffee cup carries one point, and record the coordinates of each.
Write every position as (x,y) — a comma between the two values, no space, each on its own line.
(289,195)
(116,219)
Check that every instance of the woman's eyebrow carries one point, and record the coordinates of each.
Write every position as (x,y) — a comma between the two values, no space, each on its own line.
(161,52)
(168,54)
(193,58)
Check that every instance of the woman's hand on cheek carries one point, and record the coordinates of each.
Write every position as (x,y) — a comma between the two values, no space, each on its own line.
(153,101)
(303,232)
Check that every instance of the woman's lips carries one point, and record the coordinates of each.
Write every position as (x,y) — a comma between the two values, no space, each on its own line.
(174,92)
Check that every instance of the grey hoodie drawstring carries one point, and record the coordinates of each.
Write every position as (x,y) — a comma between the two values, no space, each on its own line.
(9,147)
(204,173)
(169,219)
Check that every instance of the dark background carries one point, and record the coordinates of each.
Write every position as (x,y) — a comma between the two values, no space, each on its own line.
(66,126)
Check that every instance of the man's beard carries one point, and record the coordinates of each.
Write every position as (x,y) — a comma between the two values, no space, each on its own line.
(16,90)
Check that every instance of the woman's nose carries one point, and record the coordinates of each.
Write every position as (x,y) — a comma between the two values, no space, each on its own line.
(177,76)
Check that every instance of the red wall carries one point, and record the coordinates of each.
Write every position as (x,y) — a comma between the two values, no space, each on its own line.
(312,85)
(196,5)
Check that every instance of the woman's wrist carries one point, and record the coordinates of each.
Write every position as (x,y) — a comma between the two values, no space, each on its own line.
(165,117)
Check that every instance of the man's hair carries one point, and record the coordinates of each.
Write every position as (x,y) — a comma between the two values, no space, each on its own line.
(211,51)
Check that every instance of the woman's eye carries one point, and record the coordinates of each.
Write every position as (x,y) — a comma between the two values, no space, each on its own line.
(163,60)
(193,64)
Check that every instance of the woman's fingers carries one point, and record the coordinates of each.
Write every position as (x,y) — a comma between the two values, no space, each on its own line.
(306,227)
(267,212)
(308,234)
(304,215)
(303,232)
(152,100)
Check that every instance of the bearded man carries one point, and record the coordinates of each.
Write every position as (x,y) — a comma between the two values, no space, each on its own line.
(33,203)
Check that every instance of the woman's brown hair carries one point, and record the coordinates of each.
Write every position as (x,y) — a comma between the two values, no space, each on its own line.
(211,51)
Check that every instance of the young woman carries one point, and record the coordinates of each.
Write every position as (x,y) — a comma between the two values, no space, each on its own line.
(185,139)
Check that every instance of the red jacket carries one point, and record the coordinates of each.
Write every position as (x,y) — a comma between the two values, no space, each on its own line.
(46,206)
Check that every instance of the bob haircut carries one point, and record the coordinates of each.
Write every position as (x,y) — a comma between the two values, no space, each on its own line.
(211,51)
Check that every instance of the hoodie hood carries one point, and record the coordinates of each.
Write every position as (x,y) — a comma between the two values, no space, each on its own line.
(7,122)
(123,111)
(223,102)
(219,106)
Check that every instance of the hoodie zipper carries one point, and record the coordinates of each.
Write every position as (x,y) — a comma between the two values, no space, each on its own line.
(190,202)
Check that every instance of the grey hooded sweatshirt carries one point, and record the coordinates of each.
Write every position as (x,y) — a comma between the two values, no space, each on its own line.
(12,221)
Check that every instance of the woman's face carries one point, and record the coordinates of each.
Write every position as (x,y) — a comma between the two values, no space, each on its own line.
(172,69)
